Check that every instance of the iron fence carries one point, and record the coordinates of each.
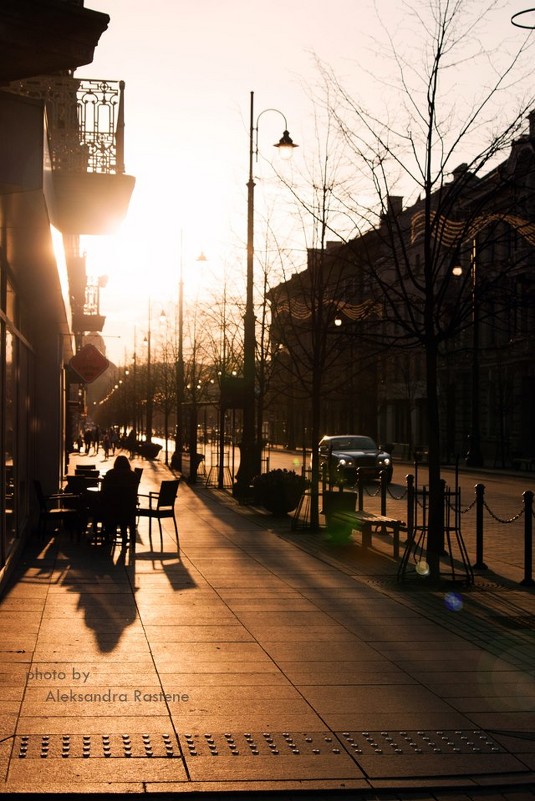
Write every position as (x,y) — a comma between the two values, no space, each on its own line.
(500,535)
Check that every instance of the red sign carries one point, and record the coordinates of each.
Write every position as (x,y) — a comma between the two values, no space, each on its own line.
(89,363)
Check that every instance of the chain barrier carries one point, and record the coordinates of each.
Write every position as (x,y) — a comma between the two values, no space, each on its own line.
(419,500)
(499,519)
(397,497)
(464,511)
(372,494)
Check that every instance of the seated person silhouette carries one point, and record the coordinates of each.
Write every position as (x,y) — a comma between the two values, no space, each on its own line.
(118,499)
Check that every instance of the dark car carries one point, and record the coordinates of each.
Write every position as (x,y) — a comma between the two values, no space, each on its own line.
(344,454)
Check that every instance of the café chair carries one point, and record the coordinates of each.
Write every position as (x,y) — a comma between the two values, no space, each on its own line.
(160,505)
(90,475)
(114,514)
(60,508)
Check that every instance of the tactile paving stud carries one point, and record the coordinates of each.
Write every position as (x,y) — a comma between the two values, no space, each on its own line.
(168,745)
(23,750)
(146,742)
(65,746)
(45,746)
(106,746)
(127,745)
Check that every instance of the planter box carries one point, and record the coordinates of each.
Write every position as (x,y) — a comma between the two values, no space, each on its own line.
(149,450)
(338,502)
(278,491)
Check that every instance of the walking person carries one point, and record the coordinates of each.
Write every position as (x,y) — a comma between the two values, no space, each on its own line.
(88,439)
(130,442)
(106,445)
(114,440)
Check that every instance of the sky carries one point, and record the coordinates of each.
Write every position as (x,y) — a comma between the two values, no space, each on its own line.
(189,69)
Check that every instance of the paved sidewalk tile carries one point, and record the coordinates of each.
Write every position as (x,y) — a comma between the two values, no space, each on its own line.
(249,658)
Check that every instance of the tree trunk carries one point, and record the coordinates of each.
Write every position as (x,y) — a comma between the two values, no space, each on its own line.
(315,437)
(435,534)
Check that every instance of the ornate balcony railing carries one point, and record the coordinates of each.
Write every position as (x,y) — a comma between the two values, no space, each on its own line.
(85,121)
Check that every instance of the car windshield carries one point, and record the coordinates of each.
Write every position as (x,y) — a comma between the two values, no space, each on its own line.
(353,444)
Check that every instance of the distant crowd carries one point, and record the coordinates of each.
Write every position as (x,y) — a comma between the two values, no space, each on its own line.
(92,440)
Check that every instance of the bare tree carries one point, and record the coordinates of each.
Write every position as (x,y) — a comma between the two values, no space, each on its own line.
(310,360)
(223,349)
(416,143)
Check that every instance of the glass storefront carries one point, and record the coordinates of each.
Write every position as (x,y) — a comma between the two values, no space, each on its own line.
(15,421)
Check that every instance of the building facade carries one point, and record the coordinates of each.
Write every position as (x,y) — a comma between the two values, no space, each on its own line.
(451,283)
(50,193)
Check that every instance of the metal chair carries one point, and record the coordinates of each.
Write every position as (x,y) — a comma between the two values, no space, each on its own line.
(61,508)
(161,505)
(115,507)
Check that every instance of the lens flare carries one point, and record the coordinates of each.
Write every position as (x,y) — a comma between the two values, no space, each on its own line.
(422,568)
(453,601)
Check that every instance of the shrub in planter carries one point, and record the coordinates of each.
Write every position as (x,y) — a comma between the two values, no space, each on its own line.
(334,502)
(279,491)
(149,450)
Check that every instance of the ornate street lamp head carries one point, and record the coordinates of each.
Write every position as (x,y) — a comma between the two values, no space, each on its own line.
(286,146)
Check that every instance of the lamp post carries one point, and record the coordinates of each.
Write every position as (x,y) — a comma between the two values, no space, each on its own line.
(250,448)
(148,418)
(474,457)
(176,459)
(134,394)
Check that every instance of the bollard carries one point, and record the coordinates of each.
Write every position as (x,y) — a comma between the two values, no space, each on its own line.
(410,506)
(410,526)
(527,581)
(360,480)
(480,495)
(383,492)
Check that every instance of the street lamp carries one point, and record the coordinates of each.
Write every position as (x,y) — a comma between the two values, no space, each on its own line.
(474,457)
(176,459)
(250,448)
(149,407)
(150,391)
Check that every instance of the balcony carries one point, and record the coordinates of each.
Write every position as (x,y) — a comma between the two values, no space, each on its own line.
(86,318)
(90,193)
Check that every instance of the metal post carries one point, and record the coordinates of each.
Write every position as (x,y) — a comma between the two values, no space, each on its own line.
(410,506)
(249,450)
(148,430)
(176,460)
(383,492)
(221,448)
(360,481)
(119,133)
(474,457)
(527,581)
(480,499)
(251,445)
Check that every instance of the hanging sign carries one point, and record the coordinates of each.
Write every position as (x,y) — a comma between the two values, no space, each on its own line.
(89,363)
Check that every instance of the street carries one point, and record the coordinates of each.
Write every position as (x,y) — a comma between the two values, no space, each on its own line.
(503,518)
(503,490)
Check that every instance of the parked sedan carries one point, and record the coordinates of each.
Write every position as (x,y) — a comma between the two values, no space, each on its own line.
(344,454)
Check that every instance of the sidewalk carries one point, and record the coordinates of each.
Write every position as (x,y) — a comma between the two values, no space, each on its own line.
(259,659)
